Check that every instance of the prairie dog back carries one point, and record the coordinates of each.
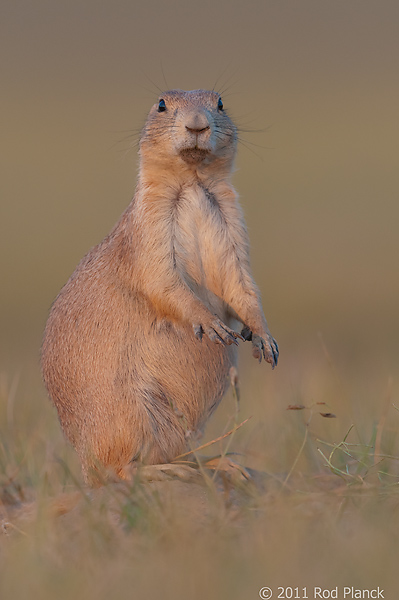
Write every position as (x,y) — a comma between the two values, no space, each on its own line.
(139,342)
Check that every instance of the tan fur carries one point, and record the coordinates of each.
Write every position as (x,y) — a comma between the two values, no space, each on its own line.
(139,342)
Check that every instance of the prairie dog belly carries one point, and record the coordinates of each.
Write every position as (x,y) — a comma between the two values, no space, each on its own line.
(201,247)
(192,374)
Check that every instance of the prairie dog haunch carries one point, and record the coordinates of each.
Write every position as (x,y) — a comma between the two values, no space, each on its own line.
(139,342)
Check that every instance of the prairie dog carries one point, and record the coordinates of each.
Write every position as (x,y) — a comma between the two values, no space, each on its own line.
(139,342)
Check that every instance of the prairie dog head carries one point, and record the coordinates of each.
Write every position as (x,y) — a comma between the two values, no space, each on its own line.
(190,128)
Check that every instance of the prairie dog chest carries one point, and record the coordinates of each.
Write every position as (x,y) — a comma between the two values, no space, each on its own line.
(204,238)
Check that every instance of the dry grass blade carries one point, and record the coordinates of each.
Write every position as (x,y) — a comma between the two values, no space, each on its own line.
(298,455)
(218,439)
(382,421)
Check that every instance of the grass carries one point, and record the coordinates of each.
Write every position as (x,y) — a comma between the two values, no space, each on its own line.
(324,511)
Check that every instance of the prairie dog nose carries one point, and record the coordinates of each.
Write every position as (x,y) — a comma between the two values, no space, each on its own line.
(197,123)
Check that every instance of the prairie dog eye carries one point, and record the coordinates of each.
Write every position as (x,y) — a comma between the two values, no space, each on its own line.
(220,104)
(161,105)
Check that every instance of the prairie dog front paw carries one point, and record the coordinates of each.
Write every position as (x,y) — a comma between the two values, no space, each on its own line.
(265,346)
(217,332)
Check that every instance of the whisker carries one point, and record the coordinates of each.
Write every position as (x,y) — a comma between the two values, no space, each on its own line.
(222,75)
(152,92)
(151,81)
(163,75)
(250,130)
(227,87)
(250,149)
(255,145)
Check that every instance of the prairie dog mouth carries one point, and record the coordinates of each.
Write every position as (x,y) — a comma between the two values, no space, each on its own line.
(193,155)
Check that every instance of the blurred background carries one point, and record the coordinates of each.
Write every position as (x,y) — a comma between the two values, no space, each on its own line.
(314,88)
(318,176)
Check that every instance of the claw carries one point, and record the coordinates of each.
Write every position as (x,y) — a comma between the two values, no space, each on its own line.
(275,352)
(198,332)
(228,339)
(256,353)
(275,355)
(215,337)
(271,358)
(233,339)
